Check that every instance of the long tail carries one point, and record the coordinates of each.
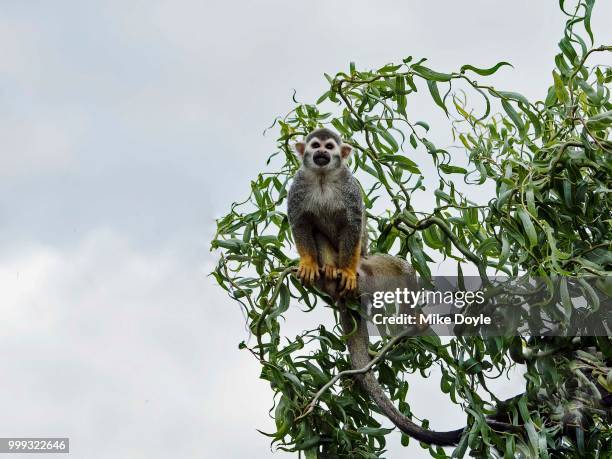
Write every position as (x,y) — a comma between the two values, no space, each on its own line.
(358,349)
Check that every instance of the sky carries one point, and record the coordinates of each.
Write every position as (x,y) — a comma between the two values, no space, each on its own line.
(126,128)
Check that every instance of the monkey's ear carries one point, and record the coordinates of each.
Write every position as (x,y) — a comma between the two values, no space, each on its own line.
(300,147)
(345,150)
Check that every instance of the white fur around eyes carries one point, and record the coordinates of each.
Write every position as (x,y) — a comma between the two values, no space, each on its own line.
(321,142)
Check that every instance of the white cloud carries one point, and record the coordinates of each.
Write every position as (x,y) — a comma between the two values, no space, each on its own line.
(129,354)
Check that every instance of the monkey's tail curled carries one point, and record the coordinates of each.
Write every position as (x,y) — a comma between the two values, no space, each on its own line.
(358,343)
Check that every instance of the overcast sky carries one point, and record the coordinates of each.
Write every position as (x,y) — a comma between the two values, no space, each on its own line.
(126,128)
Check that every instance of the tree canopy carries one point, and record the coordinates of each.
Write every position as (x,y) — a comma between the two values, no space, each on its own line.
(549,216)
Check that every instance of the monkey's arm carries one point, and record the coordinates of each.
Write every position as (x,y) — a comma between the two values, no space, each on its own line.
(301,227)
(349,250)
(350,236)
(328,255)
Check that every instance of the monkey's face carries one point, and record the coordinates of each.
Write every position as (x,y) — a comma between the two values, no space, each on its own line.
(322,154)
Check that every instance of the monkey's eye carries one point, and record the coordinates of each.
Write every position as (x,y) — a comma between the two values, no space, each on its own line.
(329,146)
(316,145)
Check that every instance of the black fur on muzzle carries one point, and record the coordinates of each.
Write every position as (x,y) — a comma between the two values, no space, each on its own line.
(321,158)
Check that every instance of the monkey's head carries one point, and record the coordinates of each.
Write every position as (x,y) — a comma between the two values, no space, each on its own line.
(323,151)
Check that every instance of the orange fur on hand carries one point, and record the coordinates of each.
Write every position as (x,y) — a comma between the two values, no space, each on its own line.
(308,270)
(330,271)
(348,275)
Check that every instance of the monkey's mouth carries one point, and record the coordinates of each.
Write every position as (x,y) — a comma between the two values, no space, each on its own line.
(321,159)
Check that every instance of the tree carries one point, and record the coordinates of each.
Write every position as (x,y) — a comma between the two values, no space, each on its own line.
(550,162)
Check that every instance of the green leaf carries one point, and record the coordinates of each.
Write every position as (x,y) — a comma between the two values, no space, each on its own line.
(601,121)
(590,294)
(389,138)
(400,89)
(560,89)
(513,96)
(374,430)
(528,226)
(503,257)
(514,116)
(566,301)
(587,18)
(431,75)
(403,162)
(435,94)
(323,97)
(448,169)
(484,72)
(423,124)
(529,196)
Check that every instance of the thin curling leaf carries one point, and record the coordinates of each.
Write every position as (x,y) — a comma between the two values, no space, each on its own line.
(590,293)
(562,65)
(592,95)
(567,49)
(374,430)
(528,227)
(512,96)
(389,139)
(400,90)
(423,124)
(587,18)
(283,303)
(529,196)
(566,301)
(448,169)
(533,119)
(514,116)
(324,97)
(601,121)
(431,75)
(505,252)
(403,162)
(484,72)
(418,257)
(560,89)
(435,94)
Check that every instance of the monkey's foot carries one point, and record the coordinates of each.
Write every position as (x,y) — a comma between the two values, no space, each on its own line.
(348,280)
(330,271)
(308,271)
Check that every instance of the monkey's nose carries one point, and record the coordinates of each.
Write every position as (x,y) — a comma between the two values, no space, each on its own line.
(321,158)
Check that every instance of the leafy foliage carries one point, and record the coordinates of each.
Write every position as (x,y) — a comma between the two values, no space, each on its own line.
(550,163)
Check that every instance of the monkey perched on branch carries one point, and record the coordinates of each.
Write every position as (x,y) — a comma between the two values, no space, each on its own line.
(328,223)
(326,211)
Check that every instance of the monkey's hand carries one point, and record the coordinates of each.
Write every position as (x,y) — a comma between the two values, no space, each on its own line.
(330,271)
(348,280)
(308,270)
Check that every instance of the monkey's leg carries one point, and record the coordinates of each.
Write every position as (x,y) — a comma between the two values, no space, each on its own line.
(348,259)
(327,256)
(308,270)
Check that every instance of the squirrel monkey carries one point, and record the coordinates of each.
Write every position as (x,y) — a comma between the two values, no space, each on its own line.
(326,211)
